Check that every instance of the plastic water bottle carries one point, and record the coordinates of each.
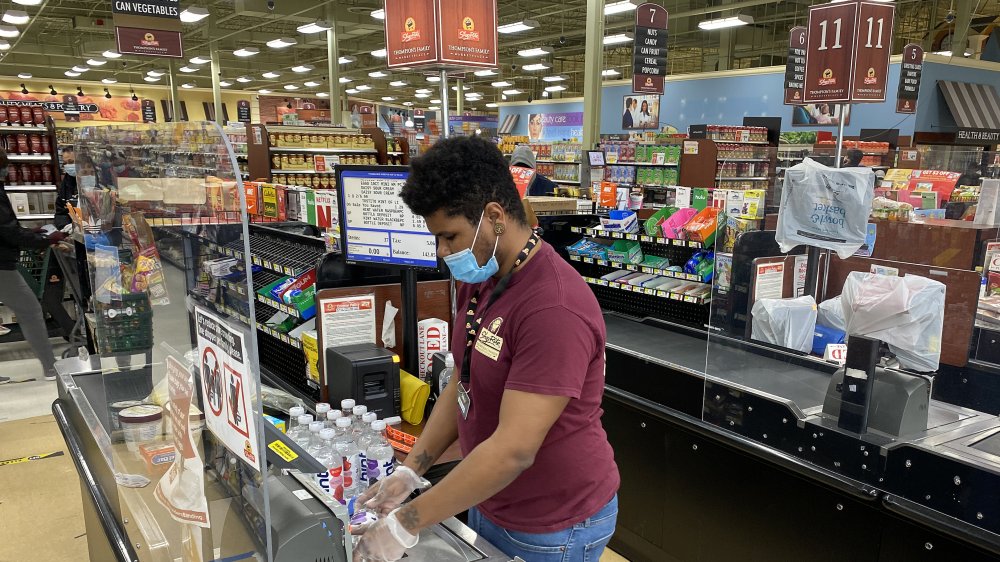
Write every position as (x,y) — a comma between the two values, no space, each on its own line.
(445,376)
(331,418)
(321,409)
(293,417)
(358,420)
(347,407)
(348,450)
(363,440)
(314,442)
(331,481)
(380,456)
(301,431)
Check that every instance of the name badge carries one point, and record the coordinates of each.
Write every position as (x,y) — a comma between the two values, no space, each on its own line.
(464,401)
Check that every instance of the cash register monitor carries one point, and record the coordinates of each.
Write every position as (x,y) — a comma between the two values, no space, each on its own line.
(376,227)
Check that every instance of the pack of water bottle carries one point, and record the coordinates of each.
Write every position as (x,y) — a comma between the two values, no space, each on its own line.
(351,442)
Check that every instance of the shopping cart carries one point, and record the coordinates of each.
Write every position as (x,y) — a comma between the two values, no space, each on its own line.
(33,265)
(68,263)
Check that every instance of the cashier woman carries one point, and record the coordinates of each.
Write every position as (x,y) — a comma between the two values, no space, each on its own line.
(538,475)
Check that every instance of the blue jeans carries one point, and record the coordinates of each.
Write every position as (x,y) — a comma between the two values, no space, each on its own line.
(583,542)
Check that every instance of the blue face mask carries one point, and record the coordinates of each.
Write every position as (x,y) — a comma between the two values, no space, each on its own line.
(465,267)
(70,169)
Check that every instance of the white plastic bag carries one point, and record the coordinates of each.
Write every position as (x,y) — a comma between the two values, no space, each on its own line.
(905,312)
(831,314)
(825,207)
(789,323)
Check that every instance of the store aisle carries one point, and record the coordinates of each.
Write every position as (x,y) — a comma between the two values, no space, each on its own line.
(24,398)
(40,505)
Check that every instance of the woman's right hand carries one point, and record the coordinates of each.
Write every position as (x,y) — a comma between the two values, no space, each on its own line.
(389,493)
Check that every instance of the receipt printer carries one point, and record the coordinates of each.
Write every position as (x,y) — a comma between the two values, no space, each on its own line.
(367,373)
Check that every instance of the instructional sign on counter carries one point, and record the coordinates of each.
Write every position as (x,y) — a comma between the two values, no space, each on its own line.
(378,227)
(770,281)
(228,387)
(347,320)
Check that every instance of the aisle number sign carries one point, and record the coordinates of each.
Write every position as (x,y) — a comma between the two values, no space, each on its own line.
(795,67)
(649,55)
(847,54)
(910,71)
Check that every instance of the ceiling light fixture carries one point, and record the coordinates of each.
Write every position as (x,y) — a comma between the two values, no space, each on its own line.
(609,72)
(97,62)
(398,83)
(80,68)
(556,88)
(24,75)
(187,69)
(311,84)
(225,83)
(492,104)
(363,87)
(156,73)
(281,42)
(109,80)
(345,80)
(314,27)
(536,66)
(487,72)
(378,74)
(109,54)
(378,14)
(555,78)
(244,79)
(351,90)
(4,45)
(433,78)
(618,39)
(408,104)
(388,98)
(193,14)
(71,73)
(379,53)
(263,91)
(545,94)
(9,31)
(270,75)
(511,92)
(303,68)
(347,59)
(146,78)
(620,7)
(28,3)
(535,52)
(199,60)
(435,101)
(517,27)
(16,17)
(723,23)
(291,87)
(246,51)
(423,91)
(434,107)
(322,95)
(187,85)
(421,96)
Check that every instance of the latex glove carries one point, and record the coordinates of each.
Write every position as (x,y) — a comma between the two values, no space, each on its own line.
(383,541)
(388,494)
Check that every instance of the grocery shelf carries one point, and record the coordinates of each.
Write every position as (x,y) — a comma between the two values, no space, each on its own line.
(740,178)
(649,164)
(647,291)
(280,256)
(636,237)
(639,268)
(325,150)
(35,217)
(29,157)
(48,187)
(724,159)
(261,327)
(299,172)
(720,141)
(543,161)
(568,182)
(240,288)
(24,129)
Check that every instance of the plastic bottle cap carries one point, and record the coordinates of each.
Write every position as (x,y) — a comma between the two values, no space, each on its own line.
(343,422)
(449,361)
(327,433)
(295,411)
(334,414)
(315,426)
(394,420)
(378,425)
(346,404)
(305,419)
(360,410)
(369,417)
(322,408)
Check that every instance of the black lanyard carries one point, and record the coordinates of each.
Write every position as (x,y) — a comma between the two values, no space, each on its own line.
(472,324)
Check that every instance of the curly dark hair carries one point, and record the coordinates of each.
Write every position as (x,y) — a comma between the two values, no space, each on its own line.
(461,175)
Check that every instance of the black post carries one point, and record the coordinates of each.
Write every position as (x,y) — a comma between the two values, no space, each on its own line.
(812,272)
(408,294)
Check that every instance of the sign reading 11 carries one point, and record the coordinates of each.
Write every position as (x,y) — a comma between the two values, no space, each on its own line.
(836,42)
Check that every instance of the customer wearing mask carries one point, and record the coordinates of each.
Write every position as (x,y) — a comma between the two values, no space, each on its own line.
(523,157)
(67,188)
(538,475)
(14,291)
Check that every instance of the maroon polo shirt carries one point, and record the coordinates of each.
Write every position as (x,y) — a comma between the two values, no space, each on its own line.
(545,334)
